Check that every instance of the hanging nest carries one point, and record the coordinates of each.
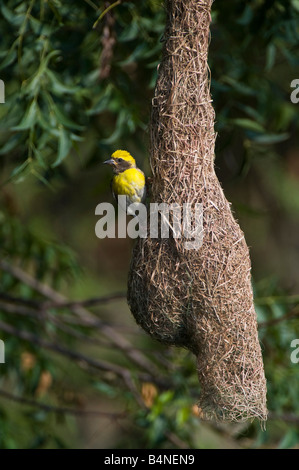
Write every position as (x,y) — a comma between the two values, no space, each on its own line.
(200,299)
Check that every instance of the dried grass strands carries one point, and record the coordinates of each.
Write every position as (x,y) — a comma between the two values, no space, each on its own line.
(199,299)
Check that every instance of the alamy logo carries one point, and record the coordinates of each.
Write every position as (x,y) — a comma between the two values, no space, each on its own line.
(2,92)
(163,220)
(2,352)
(295,93)
(295,353)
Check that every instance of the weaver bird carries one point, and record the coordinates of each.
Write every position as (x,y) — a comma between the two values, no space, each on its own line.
(128,180)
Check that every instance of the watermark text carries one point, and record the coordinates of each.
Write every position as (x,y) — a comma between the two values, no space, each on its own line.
(2,92)
(295,93)
(158,220)
(295,353)
(2,352)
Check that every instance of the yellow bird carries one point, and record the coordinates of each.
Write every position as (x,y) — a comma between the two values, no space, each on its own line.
(128,180)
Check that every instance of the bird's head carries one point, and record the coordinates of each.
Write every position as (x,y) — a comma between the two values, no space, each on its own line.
(120,161)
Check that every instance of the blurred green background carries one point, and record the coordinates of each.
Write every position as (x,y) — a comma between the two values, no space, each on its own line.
(79,77)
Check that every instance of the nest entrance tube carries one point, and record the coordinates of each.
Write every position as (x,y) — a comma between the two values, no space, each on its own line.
(200,299)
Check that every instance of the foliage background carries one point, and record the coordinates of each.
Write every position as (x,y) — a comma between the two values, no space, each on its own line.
(79,373)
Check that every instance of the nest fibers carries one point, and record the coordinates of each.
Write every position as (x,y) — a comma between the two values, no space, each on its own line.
(199,299)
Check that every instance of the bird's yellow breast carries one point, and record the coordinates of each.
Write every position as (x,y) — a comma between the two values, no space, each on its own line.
(130,183)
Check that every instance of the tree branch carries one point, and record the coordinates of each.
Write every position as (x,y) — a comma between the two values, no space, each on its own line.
(119,371)
(59,409)
(288,417)
(117,339)
(288,316)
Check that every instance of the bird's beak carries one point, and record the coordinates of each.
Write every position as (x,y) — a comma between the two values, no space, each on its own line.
(110,162)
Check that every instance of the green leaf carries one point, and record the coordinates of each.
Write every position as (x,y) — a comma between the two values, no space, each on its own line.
(270,57)
(60,88)
(295,4)
(103,101)
(147,24)
(166,397)
(39,157)
(182,415)
(248,124)
(11,17)
(252,113)
(105,389)
(239,86)
(10,57)
(130,32)
(268,139)
(137,54)
(76,138)
(55,5)
(10,144)
(119,128)
(43,180)
(29,119)
(64,119)
(35,82)
(45,62)
(246,16)
(64,146)
(20,169)
(40,28)
(290,439)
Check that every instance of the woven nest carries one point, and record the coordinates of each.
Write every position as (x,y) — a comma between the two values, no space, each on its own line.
(199,299)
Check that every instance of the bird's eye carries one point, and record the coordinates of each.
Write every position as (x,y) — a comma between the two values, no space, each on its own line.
(119,160)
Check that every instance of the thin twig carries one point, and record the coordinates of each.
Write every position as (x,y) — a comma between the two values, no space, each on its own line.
(39,306)
(288,417)
(125,374)
(42,305)
(19,300)
(288,316)
(19,309)
(60,322)
(59,409)
(118,2)
(271,300)
(85,303)
(116,338)
(57,348)
(82,359)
